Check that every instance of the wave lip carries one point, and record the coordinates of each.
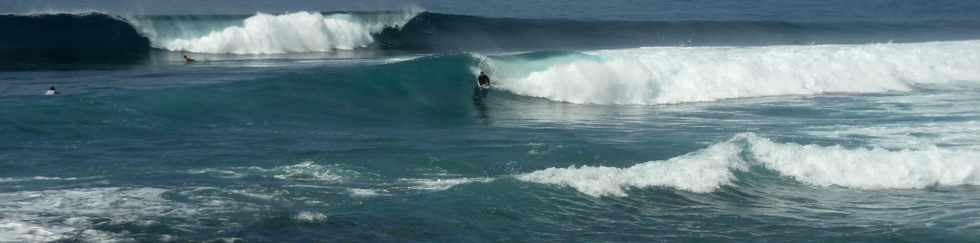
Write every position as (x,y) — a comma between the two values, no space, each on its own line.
(709,169)
(298,32)
(702,171)
(668,75)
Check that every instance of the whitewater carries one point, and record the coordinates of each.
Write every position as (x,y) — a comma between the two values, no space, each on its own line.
(263,33)
(669,75)
(707,170)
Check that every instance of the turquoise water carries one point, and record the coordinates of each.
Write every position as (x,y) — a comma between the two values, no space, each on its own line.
(847,128)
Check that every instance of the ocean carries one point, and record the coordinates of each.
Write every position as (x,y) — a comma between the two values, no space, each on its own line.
(611,121)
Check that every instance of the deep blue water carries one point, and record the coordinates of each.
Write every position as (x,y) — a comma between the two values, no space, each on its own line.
(614,121)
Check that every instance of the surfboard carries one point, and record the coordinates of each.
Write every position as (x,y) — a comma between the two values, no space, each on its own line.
(482,87)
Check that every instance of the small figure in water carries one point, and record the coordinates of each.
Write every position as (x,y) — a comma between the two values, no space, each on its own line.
(484,80)
(188,60)
(51,91)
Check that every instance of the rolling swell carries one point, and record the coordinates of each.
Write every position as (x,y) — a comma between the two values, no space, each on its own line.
(69,38)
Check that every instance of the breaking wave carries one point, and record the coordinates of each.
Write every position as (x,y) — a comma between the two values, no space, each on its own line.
(262,33)
(711,168)
(667,75)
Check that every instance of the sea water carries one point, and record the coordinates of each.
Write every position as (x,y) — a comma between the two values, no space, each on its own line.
(614,121)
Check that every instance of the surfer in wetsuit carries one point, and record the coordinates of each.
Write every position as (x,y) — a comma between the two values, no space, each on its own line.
(51,91)
(187,59)
(484,80)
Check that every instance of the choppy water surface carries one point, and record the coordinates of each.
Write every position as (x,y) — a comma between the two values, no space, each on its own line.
(364,126)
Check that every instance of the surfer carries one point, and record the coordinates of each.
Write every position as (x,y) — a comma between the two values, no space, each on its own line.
(51,91)
(188,60)
(483,80)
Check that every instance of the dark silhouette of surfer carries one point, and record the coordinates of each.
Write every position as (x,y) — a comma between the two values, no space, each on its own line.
(479,94)
(188,60)
(51,91)
(483,80)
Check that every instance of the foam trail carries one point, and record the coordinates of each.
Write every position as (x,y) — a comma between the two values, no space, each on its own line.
(709,169)
(665,75)
(907,136)
(305,171)
(441,184)
(299,32)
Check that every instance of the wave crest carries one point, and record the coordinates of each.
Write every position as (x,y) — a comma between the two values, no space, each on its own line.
(667,75)
(709,169)
(298,32)
(701,171)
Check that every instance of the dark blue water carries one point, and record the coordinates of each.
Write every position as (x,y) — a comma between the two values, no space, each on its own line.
(620,121)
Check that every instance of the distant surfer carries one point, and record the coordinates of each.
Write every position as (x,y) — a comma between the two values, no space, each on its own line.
(188,60)
(483,80)
(51,91)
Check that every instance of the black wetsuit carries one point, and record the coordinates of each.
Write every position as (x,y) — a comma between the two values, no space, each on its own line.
(484,80)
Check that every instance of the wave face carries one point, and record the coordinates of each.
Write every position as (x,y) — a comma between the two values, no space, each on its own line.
(299,32)
(709,169)
(666,75)
(69,38)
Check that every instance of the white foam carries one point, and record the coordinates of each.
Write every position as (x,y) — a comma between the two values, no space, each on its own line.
(360,192)
(15,231)
(869,168)
(666,75)
(442,184)
(304,171)
(310,217)
(701,171)
(253,194)
(218,173)
(910,136)
(41,216)
(298,32)
(309,170)
(708,169)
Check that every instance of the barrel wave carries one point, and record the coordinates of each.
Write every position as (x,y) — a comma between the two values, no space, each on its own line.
(69,38)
